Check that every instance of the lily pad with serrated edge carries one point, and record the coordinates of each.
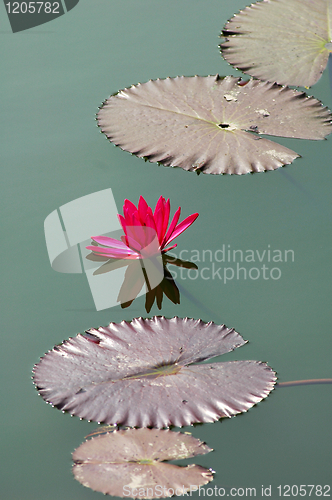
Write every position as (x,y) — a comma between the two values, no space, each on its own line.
(212,124)
(284,41)
(148,373)
(131,461)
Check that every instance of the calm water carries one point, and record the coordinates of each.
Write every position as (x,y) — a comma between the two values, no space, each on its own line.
(53,79)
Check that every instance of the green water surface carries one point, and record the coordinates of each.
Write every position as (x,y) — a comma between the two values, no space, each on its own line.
(53,78)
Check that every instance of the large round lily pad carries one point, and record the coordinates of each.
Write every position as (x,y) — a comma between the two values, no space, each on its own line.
(284,41)
(130,463)
(212,124)
(148,373)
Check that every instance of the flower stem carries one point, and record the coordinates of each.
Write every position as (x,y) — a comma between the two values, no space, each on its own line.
(305,382)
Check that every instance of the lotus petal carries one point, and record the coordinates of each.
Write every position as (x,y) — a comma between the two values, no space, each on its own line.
(129,463)
(284,41)
(142,374)
(212,124)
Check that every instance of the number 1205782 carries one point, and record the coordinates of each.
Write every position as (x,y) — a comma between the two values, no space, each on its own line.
(33,7)
(304,490)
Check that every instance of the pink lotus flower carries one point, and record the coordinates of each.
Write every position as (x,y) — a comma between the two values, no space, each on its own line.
(146,233)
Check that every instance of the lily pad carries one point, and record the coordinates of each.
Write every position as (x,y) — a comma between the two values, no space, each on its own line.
(212,124)
(284,41)
(144,373)
(130,463)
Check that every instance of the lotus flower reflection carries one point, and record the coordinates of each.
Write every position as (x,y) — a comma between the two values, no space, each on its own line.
(146,233)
